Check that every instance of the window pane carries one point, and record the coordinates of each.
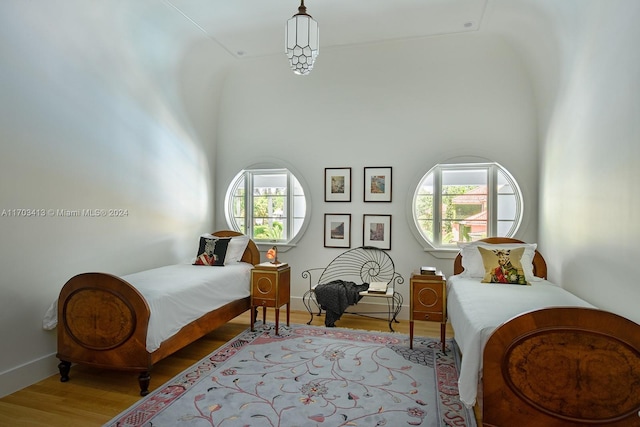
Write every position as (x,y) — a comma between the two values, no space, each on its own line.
(505,228)
(238,204)
(507,207)
(464,204)
(426,186)
(299,206)
(269,206)
(424,207)
(426,228)
(270,212)
(504,184)
(453,203)
(464,177)
(297,224)
(463,231)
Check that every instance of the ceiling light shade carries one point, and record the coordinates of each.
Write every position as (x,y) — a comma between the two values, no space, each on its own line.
(302,41)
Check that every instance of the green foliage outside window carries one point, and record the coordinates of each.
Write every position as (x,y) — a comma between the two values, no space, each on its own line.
(452,211)
(466,202)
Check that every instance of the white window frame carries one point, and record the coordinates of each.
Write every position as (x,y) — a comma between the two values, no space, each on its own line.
(492,202)
(291,234)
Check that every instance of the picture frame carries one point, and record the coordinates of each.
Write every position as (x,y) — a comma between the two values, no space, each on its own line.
(337,184)
(337,230)
(376,231)
(377,184)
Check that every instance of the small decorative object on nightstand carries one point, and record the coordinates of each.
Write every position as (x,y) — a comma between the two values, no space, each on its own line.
(270,287)
(428,301)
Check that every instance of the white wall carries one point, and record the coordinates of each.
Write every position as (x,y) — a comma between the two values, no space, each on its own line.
(590,217)
(92,116)
(589,111)
(408,105)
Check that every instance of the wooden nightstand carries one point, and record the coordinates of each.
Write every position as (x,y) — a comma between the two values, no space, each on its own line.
(428,301)
(270,287)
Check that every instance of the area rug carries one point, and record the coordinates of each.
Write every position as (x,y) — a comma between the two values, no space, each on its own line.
(311,376)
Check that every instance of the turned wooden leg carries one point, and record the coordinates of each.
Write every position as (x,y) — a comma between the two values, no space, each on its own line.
(411,334)
(64,367)
(254,312)
(144,379)
(288,314)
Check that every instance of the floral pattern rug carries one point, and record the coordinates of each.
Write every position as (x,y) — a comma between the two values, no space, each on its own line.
(311,376)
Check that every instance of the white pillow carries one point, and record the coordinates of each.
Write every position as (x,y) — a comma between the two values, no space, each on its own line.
(474,267)
(236,248)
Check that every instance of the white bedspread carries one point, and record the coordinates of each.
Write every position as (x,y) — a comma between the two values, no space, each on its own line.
(476,309)
(179,294)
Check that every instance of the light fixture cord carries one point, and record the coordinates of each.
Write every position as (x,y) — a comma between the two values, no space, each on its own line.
(302,10)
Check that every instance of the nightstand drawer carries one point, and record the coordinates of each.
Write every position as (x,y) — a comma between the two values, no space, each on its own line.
(262,302)
(430,316)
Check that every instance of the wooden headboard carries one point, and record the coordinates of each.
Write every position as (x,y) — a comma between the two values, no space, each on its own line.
(539,264)
(251,254)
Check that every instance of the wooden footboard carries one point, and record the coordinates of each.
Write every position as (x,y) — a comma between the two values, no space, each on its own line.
(103,322)
(563,367)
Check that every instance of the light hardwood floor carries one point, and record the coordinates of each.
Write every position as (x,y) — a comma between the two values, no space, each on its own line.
(92,397)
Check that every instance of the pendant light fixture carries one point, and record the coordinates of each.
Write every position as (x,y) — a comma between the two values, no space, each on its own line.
(302,41)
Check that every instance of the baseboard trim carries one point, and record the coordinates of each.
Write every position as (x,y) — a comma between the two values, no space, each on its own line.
(27,374)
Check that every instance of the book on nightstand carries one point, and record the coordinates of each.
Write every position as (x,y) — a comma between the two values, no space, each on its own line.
(429,275)
(427,270)
(269,264)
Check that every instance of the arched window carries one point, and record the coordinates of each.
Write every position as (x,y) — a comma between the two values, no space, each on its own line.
(268,205)
(466,202)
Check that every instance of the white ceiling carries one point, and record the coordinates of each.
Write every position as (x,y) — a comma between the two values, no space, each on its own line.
(252,28)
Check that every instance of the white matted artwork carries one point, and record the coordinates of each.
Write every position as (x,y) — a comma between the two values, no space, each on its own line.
(337,184)
(337,230)
(376,231)
(377,184)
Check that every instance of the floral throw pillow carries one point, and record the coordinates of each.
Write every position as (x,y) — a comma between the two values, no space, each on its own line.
(211,251)
(503,266)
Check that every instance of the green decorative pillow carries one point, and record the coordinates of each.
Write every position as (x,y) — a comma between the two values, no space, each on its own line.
(503,266)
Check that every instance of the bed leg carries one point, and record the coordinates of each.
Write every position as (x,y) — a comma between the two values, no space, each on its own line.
(64,367)
(143,379)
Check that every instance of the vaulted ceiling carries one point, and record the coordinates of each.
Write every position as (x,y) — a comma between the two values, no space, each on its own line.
(256,27)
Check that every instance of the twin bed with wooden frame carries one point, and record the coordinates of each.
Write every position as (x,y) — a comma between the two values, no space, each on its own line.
(103,320)
(552,360)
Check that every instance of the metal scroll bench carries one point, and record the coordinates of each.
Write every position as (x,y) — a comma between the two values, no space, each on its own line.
(359,265)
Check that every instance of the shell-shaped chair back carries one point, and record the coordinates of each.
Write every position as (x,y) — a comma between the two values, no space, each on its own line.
(360,265)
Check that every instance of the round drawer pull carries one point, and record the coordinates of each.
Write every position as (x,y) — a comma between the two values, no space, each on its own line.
(426,316)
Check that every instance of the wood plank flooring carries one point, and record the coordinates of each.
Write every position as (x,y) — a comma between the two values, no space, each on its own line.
(92,396)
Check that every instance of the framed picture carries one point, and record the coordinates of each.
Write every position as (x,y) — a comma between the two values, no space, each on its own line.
(337,230)
(376,231)
(377,184)
(337,184)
